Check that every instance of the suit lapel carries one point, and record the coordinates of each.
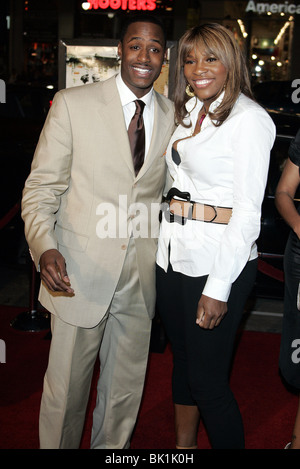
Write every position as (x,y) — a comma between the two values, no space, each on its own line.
(112,108)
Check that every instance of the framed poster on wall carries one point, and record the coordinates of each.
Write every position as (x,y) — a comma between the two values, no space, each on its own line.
(87,61)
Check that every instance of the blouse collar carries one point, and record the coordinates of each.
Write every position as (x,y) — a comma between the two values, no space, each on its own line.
(195,103)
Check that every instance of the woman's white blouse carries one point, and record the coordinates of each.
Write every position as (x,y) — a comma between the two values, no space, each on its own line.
(224,166)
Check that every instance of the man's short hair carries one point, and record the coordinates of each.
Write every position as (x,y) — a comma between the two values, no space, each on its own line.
(144,19)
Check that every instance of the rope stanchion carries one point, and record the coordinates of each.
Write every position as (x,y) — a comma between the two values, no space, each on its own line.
(10,215)
(270,270)
(32,320)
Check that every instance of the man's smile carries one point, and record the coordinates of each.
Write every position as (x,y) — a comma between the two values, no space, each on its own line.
(141,71)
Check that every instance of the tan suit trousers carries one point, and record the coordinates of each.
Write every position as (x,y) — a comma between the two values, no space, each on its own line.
(122,340)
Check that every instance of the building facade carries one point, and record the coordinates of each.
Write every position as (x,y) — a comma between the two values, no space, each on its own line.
(269,32)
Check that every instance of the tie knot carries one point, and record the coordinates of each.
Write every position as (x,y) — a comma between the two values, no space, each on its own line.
(139,106)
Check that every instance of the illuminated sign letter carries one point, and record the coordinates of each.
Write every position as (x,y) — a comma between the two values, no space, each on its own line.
(151,4)
(142,4)
(132,4)
(292,9)
(251,6)
(115,4)
(103,3)
(261,8)
(94,4)
(123,4)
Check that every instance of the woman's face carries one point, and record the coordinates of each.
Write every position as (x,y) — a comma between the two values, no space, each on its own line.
(206,74)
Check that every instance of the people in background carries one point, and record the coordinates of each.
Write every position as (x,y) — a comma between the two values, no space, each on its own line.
(290,339)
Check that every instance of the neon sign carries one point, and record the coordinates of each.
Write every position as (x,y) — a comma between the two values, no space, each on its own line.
(122,4)
(285,7)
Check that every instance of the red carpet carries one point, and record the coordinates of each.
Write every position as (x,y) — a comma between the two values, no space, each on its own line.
(268,408)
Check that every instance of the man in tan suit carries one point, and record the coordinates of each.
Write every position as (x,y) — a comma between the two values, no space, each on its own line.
(91,225)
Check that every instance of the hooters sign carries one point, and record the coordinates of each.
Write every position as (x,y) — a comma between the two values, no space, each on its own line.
(123,4)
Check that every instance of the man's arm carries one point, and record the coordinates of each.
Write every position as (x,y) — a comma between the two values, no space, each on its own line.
(48,180)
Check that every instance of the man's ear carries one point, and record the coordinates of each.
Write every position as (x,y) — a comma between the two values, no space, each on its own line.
(165,56)
(120,50)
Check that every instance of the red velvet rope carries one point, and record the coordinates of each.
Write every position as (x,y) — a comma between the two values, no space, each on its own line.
(271,271)
(9,216)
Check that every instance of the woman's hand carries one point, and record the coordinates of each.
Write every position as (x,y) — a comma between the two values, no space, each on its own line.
(210,312)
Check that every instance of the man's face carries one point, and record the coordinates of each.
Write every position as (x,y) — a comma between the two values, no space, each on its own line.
(142,53)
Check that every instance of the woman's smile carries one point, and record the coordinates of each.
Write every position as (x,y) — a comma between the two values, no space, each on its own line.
(203,83)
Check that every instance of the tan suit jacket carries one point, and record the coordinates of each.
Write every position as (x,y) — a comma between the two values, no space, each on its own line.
(82,177)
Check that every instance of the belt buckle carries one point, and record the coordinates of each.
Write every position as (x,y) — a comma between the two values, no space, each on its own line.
(171,217)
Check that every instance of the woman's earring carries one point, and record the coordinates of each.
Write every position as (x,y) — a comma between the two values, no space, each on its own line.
(189,91)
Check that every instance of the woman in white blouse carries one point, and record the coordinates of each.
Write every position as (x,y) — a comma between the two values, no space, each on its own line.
(218,159)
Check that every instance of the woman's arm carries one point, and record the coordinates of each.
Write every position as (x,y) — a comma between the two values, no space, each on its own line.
(284,197)
(253,135)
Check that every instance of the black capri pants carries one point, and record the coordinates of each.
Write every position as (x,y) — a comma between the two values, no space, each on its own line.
(202,357)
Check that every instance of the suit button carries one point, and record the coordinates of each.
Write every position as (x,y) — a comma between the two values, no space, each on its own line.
(123,247)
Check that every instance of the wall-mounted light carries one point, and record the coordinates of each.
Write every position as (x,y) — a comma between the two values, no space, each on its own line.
(283,29)
(85,6)
(242,28)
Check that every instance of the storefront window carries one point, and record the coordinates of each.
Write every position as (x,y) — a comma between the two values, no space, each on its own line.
(266,29)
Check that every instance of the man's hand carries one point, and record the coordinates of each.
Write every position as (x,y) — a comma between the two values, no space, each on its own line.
(210,312)
(53,271)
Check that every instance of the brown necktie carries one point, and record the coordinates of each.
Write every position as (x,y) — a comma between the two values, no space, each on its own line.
(136,134)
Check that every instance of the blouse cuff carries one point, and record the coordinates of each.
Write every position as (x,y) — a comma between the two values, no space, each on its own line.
(217,289)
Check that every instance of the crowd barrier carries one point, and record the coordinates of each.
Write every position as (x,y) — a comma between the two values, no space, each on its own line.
(32,320)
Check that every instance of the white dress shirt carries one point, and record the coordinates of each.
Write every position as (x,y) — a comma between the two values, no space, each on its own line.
(224,166)
(127,99)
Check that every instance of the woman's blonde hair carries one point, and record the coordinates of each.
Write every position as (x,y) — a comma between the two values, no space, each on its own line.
(220,42)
